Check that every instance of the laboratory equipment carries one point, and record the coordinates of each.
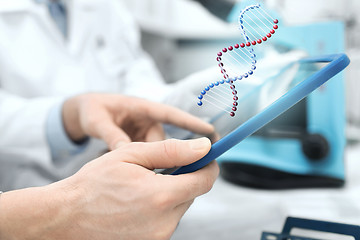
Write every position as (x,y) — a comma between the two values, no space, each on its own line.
(305,146)
(317,227)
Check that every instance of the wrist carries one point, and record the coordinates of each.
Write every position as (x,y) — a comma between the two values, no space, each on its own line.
(70,116)
(36,213)
(21,214)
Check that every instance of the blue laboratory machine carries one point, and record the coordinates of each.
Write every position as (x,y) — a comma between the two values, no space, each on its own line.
(303,147)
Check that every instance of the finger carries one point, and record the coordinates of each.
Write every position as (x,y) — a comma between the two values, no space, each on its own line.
(165,154)
(171,115)
(112,134)
(191,185)
(155,133)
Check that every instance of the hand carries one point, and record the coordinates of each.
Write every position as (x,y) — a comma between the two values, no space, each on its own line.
(116,196)
(117,119)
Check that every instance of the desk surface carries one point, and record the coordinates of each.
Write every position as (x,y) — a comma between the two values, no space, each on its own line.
(232,212)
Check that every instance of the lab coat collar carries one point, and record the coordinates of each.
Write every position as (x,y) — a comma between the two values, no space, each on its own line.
(12,6)
(26,5)
(16,5)
(39,10)
(79,15)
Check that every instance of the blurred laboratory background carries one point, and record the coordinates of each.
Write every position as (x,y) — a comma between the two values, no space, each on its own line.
(183,37)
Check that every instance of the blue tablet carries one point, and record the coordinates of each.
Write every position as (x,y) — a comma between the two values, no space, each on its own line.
(313,72)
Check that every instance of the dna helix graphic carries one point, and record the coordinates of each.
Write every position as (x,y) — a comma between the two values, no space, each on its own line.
(239,61)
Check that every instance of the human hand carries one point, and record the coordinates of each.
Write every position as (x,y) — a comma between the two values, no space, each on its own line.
(119,119)
(116,196)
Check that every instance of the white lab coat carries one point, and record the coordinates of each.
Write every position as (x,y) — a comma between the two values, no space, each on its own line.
(39,68)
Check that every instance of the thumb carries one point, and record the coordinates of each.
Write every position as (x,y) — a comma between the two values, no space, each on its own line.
(166,154)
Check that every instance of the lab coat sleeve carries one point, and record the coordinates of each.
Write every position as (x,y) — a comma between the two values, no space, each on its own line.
(22,127)
(61,146)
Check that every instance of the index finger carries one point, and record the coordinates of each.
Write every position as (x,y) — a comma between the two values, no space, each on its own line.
(171,115)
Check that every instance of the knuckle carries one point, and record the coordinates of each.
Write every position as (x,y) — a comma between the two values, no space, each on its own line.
(163,201)
(91,121)
(170,148)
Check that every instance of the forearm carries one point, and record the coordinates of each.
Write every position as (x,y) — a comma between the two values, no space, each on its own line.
(35,213)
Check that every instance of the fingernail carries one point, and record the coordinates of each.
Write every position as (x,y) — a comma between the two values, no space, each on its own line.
(200,143)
